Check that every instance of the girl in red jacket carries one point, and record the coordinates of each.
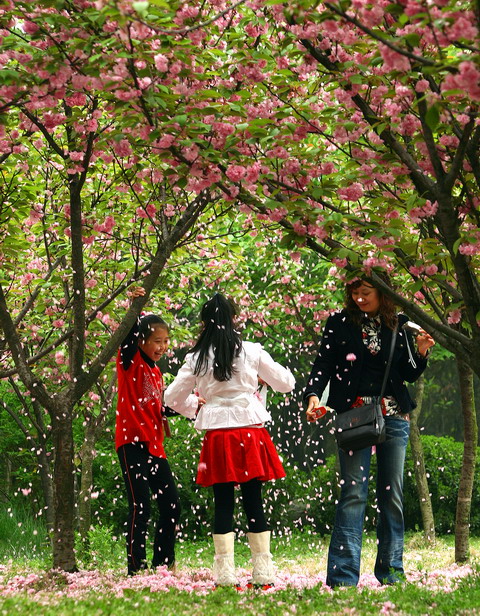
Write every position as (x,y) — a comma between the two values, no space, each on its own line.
(139,442)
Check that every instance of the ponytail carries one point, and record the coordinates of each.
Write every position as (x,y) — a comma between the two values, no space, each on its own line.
(219,335)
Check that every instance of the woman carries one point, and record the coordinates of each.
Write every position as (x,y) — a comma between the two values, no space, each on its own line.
(237,449)
(353,356)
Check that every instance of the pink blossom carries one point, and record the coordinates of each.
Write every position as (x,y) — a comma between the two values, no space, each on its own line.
(352,192)
(161,62)
(122,148)
(327,168)
(455,316)
(60,357)
(277,214)
(416,270)
(91,125)
(223,129)
(392,60)
(278,152)
(78,99)
(235,172)
(166,141)
(462,27)
(147,212)
(468,79)
(76,156)
(375,262)
(430,270)
(469,249)
(253,172)
(418,213)
(351,357)
(30,27)
(52,120)
(422,85)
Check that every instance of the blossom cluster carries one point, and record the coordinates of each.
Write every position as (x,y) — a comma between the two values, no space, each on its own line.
(40,586)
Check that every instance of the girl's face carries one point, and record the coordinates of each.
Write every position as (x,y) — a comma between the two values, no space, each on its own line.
(156,344)
(367,299)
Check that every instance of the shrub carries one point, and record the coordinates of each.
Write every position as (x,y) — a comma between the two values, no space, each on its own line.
(443,461)
(303,499)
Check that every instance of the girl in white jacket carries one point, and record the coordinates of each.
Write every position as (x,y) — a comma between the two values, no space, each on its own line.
(237,449)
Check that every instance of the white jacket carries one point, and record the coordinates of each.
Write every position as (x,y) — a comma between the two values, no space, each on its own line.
(233,403)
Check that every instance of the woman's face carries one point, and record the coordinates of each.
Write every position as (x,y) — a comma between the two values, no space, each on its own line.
(367,299)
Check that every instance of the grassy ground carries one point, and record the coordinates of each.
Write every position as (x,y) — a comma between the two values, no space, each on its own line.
(435,585)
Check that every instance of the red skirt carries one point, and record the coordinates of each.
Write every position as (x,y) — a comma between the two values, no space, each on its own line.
(238,455)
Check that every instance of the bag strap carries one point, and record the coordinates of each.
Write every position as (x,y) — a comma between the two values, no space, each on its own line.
(389,363)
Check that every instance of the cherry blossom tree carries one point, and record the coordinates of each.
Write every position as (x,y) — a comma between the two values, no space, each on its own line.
(353,125)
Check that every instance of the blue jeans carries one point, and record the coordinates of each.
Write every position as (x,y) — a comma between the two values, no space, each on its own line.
(345,549)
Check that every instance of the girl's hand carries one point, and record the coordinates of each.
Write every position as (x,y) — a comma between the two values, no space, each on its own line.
(136,292)
(424,342)
(261,382)
(201,402)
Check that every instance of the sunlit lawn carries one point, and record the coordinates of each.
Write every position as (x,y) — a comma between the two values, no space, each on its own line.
(434,585)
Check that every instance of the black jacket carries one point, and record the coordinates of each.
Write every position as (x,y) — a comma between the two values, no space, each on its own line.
(342,337)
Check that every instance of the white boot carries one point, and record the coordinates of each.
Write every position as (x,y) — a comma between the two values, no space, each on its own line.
(223,564)
(263,573)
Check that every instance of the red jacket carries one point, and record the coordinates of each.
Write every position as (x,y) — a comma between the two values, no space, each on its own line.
(139,403)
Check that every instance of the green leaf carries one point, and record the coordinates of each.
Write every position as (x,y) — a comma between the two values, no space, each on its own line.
(180,119)
(356,78)
(141,6)
(413,39)
(456,245)
(432,117)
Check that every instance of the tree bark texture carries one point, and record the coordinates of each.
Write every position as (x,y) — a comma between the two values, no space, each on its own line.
(465,488)
(87,455)
(419,466)
(47,487)
(64,500)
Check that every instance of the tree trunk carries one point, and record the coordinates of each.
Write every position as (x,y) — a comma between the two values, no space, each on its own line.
(465,488)
(64,493)
(87,455)
(47,487)
(419,466)
(7,484)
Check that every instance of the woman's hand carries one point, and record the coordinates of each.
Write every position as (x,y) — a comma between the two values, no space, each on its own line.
(313,403)
(424,342)
(201,402)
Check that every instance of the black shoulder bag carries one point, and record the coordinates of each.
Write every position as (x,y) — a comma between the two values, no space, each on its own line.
(364,426)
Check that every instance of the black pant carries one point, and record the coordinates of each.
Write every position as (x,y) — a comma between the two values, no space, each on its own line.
(252,503)
(146,477)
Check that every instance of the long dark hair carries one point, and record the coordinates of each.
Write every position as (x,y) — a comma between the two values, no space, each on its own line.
(218,334)
(386,310)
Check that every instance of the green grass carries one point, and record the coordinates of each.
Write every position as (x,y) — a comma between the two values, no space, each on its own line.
(301,554)
(407,599)
(23,539)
